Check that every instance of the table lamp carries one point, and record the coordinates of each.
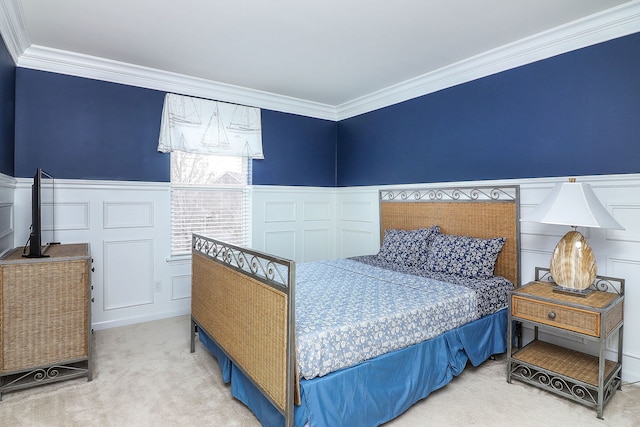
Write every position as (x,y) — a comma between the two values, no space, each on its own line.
(573,264)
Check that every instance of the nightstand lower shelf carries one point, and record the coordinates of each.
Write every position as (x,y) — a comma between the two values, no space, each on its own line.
(566,372)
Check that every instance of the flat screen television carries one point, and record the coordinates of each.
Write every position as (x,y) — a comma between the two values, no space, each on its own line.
(42,233)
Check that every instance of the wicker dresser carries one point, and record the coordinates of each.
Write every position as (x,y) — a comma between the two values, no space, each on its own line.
(45,317)
(589,379)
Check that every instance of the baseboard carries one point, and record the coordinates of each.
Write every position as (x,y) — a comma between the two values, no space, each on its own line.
(139,319)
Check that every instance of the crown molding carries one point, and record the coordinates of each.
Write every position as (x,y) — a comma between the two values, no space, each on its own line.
(76,64)
(609,24)
(12,28)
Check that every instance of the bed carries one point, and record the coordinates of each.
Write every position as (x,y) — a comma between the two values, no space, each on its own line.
(439,285)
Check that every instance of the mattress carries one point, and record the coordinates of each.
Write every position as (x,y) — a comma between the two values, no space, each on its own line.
(352,310)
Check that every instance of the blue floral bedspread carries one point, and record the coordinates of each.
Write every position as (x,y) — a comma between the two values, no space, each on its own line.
(349,311)
(492,293)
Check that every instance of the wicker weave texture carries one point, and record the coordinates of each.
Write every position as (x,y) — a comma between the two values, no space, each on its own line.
(475,219)
(545,290)
(247,318)
(563,361)
(614,318)
(587,322)
(44,313)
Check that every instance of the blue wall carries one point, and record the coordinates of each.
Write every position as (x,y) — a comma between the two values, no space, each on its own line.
(573,114)
(80,128)
(298,150)
(7,110)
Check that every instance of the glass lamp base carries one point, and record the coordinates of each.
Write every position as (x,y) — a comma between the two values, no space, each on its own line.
(573,264)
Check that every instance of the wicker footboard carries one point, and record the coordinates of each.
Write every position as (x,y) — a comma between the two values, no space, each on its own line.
(243,299)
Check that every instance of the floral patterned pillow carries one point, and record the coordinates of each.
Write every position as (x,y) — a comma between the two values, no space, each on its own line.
(407,247)
(463,255)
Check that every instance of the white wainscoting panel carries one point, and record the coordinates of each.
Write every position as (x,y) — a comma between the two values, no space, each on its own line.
(128,215)
(280,243)
(280,211)
(627,214)
(358,222)
(181,286)
(128,273)
(316,244)
(629,268)
(7,218)
(354,240)
(71,216)
(296,223)
(358,211)
(317,211)
(532,258)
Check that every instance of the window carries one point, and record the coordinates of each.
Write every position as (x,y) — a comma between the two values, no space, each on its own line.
(209,195)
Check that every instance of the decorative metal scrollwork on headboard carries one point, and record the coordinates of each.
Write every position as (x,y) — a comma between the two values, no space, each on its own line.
(601,283)
(453,194)
(264,267)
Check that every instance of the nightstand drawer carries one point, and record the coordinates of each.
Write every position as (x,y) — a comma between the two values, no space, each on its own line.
(560,316)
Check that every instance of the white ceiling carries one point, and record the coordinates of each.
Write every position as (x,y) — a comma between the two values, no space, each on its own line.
(329,52)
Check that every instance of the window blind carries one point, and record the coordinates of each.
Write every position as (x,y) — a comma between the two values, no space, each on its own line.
(220,209)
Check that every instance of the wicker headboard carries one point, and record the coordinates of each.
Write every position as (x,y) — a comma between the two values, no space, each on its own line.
(484,212)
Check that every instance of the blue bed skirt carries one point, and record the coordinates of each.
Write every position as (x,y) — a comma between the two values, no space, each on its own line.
(379,390)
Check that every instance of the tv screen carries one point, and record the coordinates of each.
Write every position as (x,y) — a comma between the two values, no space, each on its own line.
(42,208)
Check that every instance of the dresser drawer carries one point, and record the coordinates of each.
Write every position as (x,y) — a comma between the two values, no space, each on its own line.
(572,319)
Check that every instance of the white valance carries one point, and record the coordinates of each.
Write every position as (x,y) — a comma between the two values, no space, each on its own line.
(196,125)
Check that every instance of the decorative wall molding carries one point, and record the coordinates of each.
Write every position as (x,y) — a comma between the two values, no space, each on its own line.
(107,185)
(317,243)
(128,273)
(625,213)
(316,211)
(615,22)
(357,211)
(280,212)
(128,214)
(353,242)
(6,219)
(7,182)
(281,243)
(72,215)
(12,29)
(7,215)
(181,286)
(80,65)
(130,254)
(6,223)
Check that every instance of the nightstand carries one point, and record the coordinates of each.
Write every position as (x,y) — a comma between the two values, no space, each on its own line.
(587,379)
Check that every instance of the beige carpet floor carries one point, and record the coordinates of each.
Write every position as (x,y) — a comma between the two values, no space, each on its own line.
(144,375)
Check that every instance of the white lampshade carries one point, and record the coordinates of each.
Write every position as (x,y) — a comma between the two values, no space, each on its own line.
(574,204)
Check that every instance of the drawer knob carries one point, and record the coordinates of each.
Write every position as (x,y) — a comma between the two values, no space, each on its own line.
(552,315)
